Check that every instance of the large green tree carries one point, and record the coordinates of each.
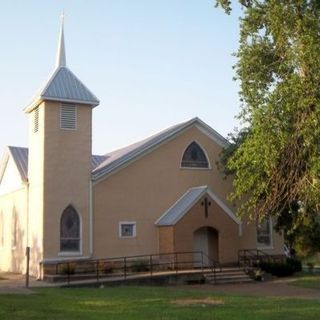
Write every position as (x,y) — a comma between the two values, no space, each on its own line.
(277,164)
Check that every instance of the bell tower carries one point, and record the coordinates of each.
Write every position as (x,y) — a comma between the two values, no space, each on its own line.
(59,166)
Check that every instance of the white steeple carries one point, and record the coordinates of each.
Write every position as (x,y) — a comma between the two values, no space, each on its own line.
(61,54)
(62,84)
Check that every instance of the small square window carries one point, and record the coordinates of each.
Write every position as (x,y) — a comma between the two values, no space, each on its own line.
(127,229)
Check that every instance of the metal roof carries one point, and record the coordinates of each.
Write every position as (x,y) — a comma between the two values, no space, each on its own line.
(61,60)
(102,165)
(97,160)
(184,204)
(63,85)
(123,156)
(20,156)
(187,201)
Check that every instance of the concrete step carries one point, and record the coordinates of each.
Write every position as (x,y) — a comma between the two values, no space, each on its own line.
(228,275)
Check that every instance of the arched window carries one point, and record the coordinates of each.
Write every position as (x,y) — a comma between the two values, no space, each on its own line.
(194,157)
(70,230)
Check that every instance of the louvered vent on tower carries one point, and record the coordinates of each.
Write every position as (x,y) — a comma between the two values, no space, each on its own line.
(36,120)
(68,117)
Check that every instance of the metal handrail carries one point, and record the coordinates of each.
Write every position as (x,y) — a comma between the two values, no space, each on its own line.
(247,257)
(125,266)
(214,266)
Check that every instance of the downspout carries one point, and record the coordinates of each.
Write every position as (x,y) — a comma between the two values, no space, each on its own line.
(90,220)
(27,227)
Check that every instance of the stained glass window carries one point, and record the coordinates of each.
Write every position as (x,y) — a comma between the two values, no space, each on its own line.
(194,157)
(70,230)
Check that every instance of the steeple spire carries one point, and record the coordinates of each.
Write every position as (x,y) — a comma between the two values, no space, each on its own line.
(61,54)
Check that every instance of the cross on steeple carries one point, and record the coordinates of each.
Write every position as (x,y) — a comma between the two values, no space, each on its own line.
(61,54)
(206,205)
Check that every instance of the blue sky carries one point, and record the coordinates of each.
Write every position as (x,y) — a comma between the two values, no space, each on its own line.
(152,64)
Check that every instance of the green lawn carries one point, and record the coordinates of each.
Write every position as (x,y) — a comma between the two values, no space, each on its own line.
(151,303)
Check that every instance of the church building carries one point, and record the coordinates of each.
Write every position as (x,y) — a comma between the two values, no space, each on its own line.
(160,195)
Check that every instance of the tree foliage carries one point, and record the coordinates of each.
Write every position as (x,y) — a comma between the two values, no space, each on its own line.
(277,165)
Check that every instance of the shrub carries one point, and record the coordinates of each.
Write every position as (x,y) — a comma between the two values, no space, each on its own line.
(140,266)
(279,269)
(310,266)
(295,264)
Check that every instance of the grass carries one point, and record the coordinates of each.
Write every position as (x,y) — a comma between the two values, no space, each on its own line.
(309,281)
(151,303)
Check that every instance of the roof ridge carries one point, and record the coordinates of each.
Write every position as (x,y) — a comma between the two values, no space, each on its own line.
(136,149)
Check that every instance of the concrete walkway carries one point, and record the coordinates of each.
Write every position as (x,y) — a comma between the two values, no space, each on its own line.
(15,284)
(11,283)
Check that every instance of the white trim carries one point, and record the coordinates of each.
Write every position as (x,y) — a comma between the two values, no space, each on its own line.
(90,219)
(241,229)
(134,229)
(203,150)
(211,194)
(221,204)
(55,260)
(212,134)
(135,155)
(65,100)
(69,253)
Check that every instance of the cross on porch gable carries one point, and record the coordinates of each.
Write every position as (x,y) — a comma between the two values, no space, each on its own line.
(206,205)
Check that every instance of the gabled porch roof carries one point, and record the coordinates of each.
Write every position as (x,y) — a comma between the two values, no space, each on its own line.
(187,201)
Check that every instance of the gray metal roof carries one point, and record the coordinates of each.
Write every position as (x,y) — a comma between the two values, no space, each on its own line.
(97,160)
(123,156)
(182,206)
(20,156)
(103,165)
(65,86)
(187,201)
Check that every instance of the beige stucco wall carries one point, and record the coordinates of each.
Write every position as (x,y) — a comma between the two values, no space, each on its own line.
(228,231)
(144,190)
(248,239)
(166,239)
(59,175)
(36,189)
(12,257)
(67,176)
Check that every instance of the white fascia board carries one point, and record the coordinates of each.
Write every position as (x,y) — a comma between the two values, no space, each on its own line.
(91,103)
(213,196)
(138,154)
(223,206)
(184,211)
(4,162)
(212,134)
(204,128)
